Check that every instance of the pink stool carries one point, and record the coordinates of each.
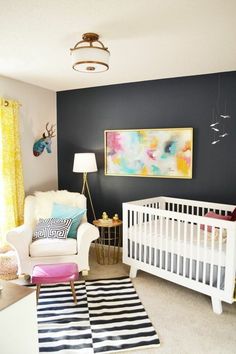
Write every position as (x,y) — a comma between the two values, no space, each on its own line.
(55,273)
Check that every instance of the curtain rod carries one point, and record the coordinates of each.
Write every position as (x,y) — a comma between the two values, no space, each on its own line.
(6,103)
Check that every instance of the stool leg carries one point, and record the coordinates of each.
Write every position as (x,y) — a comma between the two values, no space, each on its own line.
(38,291)
(73,291)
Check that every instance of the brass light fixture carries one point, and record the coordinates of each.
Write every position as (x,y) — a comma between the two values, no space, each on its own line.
(90,55)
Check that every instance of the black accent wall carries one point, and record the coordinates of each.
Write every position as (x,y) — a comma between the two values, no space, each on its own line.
(84,114)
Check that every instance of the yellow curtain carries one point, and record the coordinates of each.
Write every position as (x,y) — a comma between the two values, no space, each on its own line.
(11,176)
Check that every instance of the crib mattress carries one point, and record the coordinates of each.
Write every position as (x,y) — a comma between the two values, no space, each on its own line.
(191,244)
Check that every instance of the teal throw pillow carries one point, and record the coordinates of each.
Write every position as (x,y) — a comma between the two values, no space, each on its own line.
(62,211)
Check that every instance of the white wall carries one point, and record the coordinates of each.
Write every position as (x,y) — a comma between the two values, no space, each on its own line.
(38,108)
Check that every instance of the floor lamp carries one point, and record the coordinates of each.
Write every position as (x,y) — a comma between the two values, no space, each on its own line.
(85,163)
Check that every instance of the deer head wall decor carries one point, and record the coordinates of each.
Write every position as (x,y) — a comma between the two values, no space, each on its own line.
(45,141)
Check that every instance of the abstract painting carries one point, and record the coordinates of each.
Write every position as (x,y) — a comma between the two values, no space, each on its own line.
(166,153)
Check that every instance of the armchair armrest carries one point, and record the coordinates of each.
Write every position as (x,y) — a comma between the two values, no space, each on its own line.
(86,233)
(20,238)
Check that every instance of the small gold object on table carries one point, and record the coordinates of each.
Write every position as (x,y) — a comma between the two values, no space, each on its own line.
(104,216)
(109,243)
(115,217)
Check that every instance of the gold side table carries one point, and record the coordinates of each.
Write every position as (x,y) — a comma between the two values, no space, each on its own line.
(108,244)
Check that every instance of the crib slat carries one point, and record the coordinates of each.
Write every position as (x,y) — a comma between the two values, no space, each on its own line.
(145,237)
(197,258)
(212,256)
(140,235)
(191,251)
(166,245)
(178,247)
(204,256)
(150,240)
(185,240)
(219,258)
(135,233)
(129,234)
(155,243)
(132,235)
(172,243)
(161,240)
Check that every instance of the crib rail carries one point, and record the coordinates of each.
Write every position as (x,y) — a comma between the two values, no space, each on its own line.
(170,238)
(194,207)
(187,206)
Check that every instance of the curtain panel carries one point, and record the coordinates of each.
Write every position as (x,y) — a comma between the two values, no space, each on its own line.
(11,175)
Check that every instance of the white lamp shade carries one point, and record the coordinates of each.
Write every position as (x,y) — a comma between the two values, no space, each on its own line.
(85,162)
(90,59)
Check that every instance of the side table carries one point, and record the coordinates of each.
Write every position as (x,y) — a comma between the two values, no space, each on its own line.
(108,244)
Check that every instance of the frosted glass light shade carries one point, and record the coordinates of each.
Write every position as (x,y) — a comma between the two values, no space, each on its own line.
(90,59)
(85,162)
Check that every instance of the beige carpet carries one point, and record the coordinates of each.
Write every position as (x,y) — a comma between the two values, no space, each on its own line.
(183,318)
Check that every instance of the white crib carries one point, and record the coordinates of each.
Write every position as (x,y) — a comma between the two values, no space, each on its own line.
(166,237)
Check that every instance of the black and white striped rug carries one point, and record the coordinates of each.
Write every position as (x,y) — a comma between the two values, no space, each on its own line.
(109,317)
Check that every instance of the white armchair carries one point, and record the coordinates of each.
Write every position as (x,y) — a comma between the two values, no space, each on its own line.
(51,250)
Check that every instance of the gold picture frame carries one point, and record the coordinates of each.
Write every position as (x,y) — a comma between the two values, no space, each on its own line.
(156,153)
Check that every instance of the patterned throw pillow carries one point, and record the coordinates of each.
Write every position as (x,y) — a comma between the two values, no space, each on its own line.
(52,228)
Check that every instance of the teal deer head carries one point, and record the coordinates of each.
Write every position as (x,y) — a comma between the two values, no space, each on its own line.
(45,141)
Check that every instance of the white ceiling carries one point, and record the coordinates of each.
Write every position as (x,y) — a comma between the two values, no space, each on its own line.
(148,39)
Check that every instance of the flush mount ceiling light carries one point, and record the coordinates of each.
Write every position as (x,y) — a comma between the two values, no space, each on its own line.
(90,55)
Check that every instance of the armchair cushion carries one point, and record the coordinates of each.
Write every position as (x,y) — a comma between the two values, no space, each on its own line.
(53,247)
(66,211)
(52,228)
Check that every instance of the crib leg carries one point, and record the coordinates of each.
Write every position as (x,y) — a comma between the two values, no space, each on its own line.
(216,305)
(133,272)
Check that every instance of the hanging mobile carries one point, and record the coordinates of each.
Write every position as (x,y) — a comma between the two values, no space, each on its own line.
(215,141)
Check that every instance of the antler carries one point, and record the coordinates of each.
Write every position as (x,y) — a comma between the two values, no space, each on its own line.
(50,131)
